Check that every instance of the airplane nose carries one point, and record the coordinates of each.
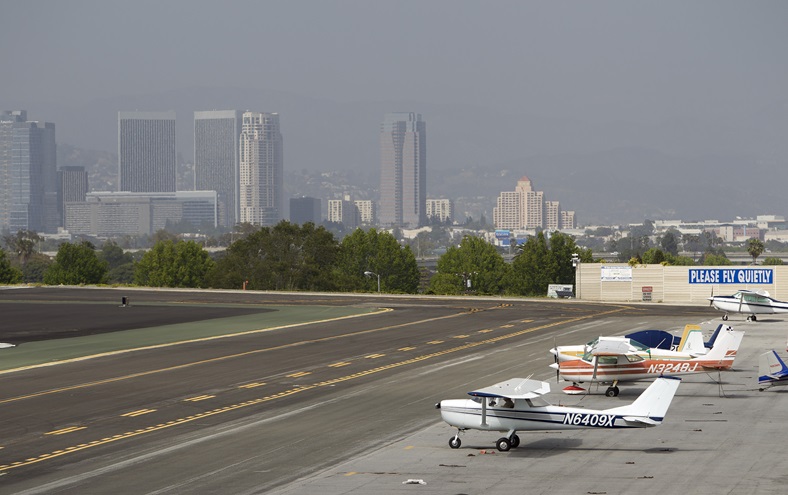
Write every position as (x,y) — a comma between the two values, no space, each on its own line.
(554,351)
(554,365)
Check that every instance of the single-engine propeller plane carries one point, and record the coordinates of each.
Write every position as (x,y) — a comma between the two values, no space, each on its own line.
(749,302)
(771,370)
(617,359)
(516,405)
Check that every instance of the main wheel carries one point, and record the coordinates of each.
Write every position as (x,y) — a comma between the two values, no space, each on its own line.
(754,318)
(503,444)
(515,441)
(454,442)
(724,317)
(610,392)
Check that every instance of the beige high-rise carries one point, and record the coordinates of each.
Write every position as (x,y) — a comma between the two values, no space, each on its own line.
(261,169)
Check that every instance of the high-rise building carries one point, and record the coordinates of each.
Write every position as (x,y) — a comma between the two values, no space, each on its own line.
(520,209)
(72,187)
(366,211)
(567,219)
(403,170)
(304,210)
(261,169)
(552,215)
(146,151)
(440,210)
(28,174)
(216,164)
(343,211)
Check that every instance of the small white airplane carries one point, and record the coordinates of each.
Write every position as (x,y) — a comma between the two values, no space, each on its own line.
(516,405)
(771,370)
(611,360)
(750,303)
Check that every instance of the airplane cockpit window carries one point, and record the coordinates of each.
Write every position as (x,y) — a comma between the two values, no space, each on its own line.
(607,360)
(634,358)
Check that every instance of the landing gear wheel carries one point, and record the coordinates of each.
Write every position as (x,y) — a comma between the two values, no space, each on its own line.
(611,392)
(754,318)
(454,442)
(724,317)
(503,444)
(515,441)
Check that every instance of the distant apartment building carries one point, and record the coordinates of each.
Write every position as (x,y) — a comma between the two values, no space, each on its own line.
(261,169)
(28,174)
(216,159)
(552,215)
(304,210)
(343,211)
(520,209)
(110,214)
(72,187)
(146,152)
(403,170)
(568,221)
(440,210)
(367,214)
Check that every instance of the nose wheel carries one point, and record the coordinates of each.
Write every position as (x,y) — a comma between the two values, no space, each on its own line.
(612,391)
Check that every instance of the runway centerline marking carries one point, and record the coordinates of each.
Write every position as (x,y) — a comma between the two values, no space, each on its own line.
(287,393)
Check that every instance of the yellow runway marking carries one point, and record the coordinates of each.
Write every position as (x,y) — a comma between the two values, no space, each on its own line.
(406,348)
(350,473)
(252,385)
(299,374)
(199,398)
(287,393)
(339,365)
(434,342)
(507,326)
(374,356)
(63,431)
(461,336)
(133,414)
(485,331)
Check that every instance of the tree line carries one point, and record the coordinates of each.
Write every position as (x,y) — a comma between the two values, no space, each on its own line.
(291,257)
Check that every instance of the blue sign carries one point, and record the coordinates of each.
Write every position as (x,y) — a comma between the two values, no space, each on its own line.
(502,234)
(731,276)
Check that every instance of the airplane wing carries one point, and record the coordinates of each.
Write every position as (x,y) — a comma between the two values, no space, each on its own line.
(612,346)
(514,388)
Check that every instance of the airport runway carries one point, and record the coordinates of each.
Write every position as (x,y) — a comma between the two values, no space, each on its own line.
(346,405)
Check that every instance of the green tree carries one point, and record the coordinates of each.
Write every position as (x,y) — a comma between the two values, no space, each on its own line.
(772,260)
(541,262)
(9,274)
(22,244)
(174,264)
(654,256)
(283,257)
(711,258)
(755,247)
(76,264)
(379,253)
(670,242)
(475,266)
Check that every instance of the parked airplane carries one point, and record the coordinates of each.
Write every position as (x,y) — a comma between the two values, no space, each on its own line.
(661,339)
(516,405)
(771,370)
(750,303)
(616,359)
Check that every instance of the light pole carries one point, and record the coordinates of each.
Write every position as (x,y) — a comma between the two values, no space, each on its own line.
(369,274)
(575,265)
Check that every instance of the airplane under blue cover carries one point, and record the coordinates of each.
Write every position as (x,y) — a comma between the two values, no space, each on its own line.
(660,339)
(771,370)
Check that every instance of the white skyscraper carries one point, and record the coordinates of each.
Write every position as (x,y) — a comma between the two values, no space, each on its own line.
(261,169)
(146,151)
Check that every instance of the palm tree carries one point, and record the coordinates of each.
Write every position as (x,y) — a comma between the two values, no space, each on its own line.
(755,247)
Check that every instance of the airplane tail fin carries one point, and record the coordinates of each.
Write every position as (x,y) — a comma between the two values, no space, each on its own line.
(770,367)
(692,340)
(650,408)
(724,350)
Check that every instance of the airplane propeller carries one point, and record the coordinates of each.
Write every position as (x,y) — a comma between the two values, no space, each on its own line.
(555,359)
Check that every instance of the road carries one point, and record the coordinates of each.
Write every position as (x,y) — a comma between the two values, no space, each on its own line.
(274,402)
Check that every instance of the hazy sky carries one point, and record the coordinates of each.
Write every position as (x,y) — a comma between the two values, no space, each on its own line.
(585,60)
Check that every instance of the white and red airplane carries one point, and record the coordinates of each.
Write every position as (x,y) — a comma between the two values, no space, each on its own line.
(618,359)
(516,405)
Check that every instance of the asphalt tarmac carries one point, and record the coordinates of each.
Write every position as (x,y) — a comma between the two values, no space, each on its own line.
(266,402)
